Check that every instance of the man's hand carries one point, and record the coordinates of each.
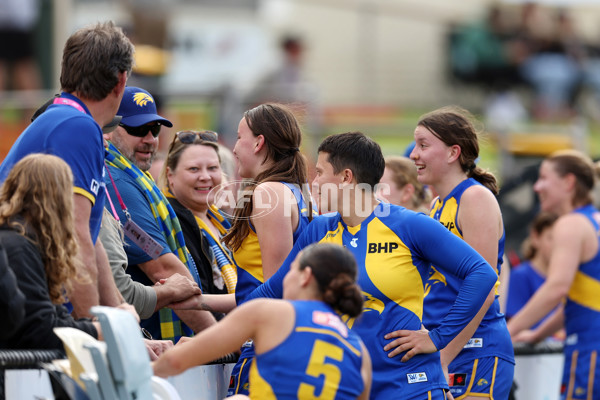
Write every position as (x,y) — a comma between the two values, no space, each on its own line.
(411,342)
(157,347)
(180,287)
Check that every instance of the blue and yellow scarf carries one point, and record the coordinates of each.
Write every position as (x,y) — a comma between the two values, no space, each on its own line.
(171,327)
(222,259)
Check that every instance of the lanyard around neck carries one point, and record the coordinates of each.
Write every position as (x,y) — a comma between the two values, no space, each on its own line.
(121,202)
(69,102)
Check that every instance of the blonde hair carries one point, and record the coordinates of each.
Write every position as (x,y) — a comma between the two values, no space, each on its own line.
(37,198)
(404,172)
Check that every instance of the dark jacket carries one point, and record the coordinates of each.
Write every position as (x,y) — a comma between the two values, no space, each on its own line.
(41,315)
(12,300)
(197,245)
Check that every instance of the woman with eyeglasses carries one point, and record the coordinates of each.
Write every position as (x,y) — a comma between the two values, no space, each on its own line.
(190,177)
(37,232)
(303,349)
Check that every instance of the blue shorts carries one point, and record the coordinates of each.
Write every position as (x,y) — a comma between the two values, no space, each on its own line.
(580,379)
(484,377)
(239,382)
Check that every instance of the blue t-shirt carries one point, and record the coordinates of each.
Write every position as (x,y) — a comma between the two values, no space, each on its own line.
(524,282)
(394,249)
(74,136)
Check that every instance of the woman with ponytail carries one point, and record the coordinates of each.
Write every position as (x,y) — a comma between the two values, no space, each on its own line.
(446,155)
(302,346)
(565,186)
(272,208)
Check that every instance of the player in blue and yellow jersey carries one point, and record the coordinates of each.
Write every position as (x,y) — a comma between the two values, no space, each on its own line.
(564,187)
(394,248)
(303,349)
(272,210)
(480,361)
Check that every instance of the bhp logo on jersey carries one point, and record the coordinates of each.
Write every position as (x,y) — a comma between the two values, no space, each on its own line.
(449,225)
(385,247)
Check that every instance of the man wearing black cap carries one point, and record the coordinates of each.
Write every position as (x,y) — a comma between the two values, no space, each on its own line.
(96,63)
(155,246)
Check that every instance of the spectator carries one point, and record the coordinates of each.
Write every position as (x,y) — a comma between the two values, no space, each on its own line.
(399,185)
(37,232)
(565,184)
(320,285)
(96,62)
(131,151)
(191,177)
(146,299)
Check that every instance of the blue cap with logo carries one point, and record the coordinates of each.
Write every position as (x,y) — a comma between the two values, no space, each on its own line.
(138,108)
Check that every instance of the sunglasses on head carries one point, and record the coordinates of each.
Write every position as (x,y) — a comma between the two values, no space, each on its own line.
(189,137)
(141,131)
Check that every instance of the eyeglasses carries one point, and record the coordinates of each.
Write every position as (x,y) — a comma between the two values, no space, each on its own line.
(141,131)
(189,137)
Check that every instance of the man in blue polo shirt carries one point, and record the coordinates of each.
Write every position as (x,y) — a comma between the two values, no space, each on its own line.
(149,217)
(96,63)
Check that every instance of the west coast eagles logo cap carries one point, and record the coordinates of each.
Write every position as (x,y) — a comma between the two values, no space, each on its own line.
(138,108)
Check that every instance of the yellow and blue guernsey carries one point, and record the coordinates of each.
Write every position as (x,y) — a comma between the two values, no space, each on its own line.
(491,338)
(248,259)
(394,249)
(320,359)
(581,372)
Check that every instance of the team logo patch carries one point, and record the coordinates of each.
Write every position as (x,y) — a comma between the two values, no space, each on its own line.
(482,382)
(94,186)
(457,379)
(474,342)
(417,377)
(142,99)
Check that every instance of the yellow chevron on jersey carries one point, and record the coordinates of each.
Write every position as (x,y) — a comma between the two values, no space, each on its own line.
(398,262)
(584,291)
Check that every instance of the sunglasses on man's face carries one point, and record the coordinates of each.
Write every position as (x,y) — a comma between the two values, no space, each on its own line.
(189,137)
(141,131)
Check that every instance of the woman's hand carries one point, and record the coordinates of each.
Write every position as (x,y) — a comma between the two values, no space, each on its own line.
(411,342)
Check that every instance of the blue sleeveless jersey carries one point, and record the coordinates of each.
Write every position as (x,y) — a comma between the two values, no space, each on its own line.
(582,309)
(394,248)
(491,338)
(248,260)
(248,257)
(321,358)
(581,377)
